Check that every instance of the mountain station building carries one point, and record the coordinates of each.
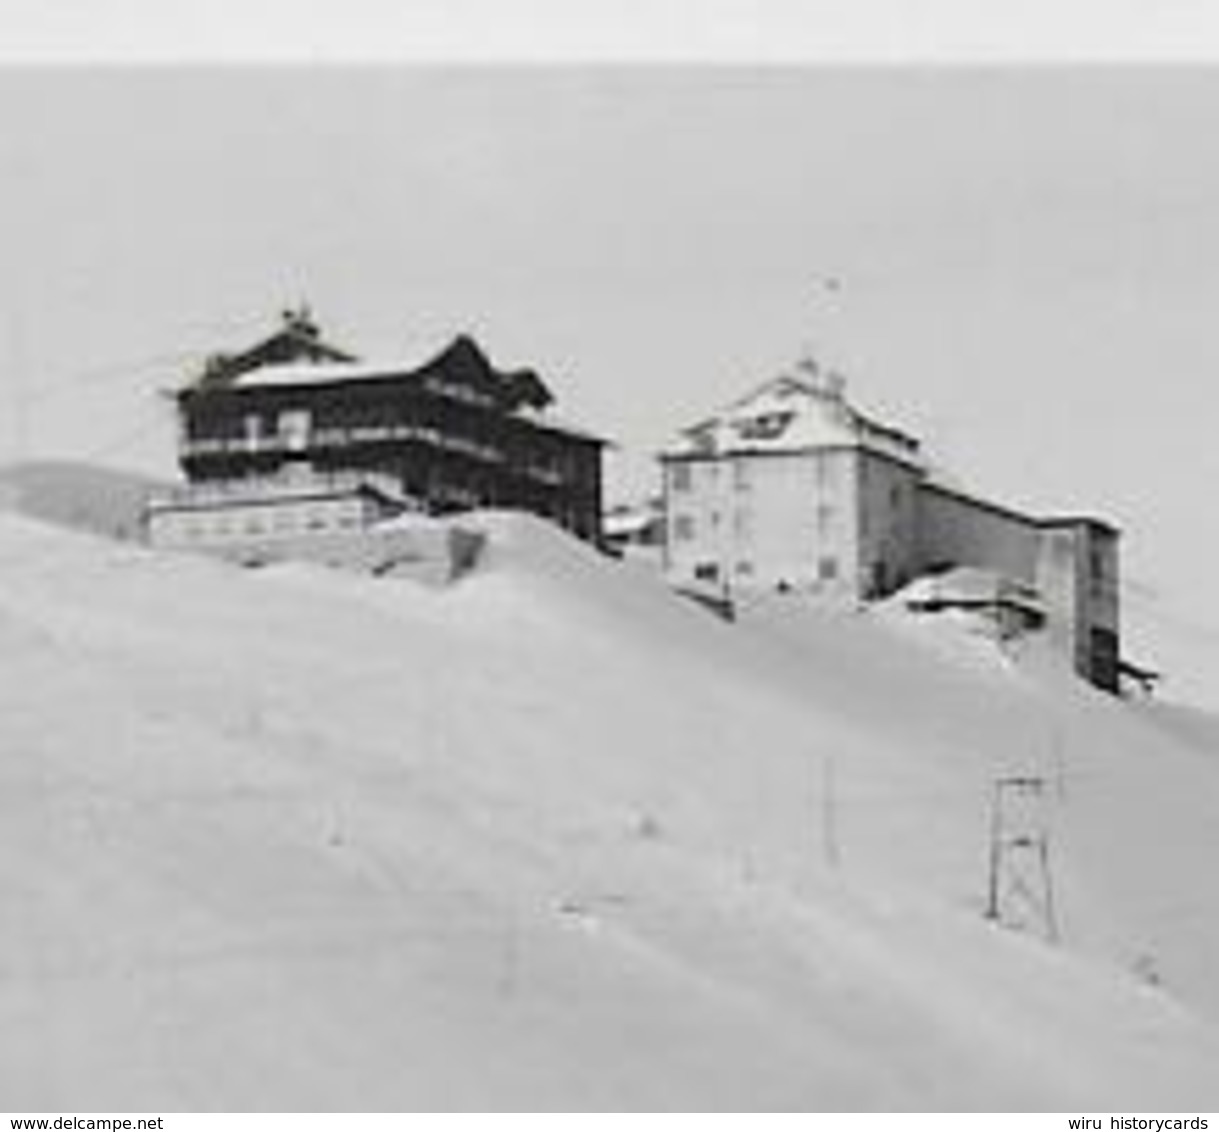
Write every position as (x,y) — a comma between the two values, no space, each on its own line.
(295,436)
(791,488)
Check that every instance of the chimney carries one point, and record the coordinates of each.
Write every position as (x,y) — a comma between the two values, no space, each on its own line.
(826,383)
(833,385)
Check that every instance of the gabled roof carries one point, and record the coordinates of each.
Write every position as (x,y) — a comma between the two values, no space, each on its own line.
(791,413)
(296,354)
(297,340)
(296,357)
(462,361)
(465,359)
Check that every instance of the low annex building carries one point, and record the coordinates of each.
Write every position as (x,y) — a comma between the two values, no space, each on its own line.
(792,488)
(295,440)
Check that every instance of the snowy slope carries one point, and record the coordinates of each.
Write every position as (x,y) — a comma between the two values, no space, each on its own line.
(87,497)
(1173,636)
(555,839)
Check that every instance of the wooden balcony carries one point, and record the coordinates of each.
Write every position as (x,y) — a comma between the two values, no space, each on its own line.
(339,438)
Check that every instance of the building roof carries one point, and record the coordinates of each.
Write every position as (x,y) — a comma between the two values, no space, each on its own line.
(298,339)
(314,373)
(790,413)
(1081,521)
(935,483)
(970,586)
(296,357)
(253,491)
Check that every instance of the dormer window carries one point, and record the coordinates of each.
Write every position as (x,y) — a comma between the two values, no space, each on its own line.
(702,438)
(767,426)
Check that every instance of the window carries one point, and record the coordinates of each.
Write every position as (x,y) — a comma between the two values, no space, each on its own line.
(293,427)
(825,471)
(679,477)
(1104,658)
(740,475)
(880,580)
(768,426)
(707,572)
(825,519)
(683,528)
(827,568)
(744,569)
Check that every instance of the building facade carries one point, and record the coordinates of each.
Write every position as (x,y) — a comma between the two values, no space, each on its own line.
(452,434)
(792,488)
(283,517)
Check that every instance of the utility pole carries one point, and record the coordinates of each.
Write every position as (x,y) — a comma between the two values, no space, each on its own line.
(1020,891)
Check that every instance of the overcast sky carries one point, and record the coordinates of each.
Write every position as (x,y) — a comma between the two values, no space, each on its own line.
(1026,261)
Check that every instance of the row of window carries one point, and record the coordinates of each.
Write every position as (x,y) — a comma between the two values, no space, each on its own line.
(294,430)
(256,524)
(685,526)
(681,476)
(682,473)
(827,570)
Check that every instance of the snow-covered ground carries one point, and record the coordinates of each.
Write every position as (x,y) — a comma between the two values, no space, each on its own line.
(79,495)
(553,838)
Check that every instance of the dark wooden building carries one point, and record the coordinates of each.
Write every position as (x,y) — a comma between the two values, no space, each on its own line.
(454,433)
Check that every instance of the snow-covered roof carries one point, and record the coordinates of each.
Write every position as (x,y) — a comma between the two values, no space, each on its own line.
(460,370)
(969,585)
(275,489)
(629,522)
(794,413)
(545,418)
(293,374)
(319,373)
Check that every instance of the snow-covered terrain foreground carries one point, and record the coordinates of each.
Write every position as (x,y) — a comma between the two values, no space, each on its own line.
(552,838)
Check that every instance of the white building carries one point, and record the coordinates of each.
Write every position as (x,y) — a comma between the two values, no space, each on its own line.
(791,488)
(355,522)
(262,519)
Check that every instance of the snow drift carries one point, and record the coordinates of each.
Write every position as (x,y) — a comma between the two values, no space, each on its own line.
(80,496)
(553,838)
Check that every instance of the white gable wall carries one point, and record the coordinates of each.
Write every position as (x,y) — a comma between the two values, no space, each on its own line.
(764,520)
(694,501)
(799,516)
